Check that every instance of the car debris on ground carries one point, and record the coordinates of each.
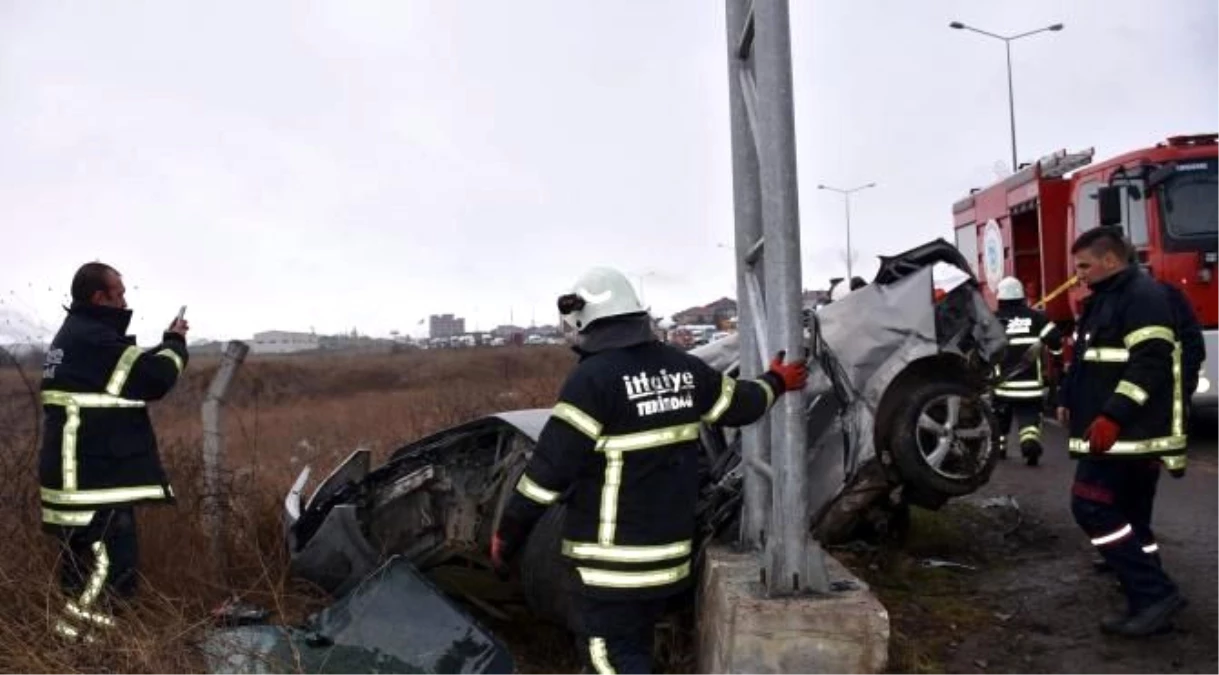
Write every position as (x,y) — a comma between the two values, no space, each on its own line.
(897,414)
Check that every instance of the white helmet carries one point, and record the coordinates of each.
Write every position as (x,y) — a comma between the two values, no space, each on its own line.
(1010,289)
(599,293)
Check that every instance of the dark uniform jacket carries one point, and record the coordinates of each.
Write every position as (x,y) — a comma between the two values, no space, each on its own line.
(1127,366)
(98,447)
(622,451)
(1027,329)
(1189,334)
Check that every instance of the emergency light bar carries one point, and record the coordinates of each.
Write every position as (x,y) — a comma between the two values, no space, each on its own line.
(1058,164)
(1193,140)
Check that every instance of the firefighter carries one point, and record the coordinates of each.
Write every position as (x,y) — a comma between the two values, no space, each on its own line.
(1022,389)
(99,453)
(1193,348)
(1193,353)
(621,450)
(1123,405)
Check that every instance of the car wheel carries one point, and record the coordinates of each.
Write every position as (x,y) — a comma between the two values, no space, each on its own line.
(941,446)
(548,579)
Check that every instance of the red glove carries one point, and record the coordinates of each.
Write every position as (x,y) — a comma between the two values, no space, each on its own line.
(497,556)
(1101,435)
(794,375)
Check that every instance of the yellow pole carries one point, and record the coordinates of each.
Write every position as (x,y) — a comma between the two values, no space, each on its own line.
(1056,292)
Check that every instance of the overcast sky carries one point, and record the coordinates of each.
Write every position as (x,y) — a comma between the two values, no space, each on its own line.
(361,164)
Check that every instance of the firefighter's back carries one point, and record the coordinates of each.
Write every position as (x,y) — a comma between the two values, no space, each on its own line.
(643,488)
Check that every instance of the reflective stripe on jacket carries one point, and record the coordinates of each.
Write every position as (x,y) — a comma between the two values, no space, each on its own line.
(621,450)
(1026,329)
(1127,366)
(99,448)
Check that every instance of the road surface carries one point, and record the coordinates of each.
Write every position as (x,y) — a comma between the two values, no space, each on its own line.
(1051,600)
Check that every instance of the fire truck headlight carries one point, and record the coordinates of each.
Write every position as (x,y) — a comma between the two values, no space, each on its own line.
(1204,384)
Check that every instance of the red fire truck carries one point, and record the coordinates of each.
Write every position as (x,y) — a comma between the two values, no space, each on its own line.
(1164,197)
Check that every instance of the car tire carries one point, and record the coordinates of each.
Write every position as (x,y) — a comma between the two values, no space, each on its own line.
(936,460)
(548,578)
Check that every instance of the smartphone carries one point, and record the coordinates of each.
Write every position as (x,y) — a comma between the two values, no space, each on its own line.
(181,313)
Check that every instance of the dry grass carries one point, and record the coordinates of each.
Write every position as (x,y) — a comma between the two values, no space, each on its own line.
(282,412)
(929,608)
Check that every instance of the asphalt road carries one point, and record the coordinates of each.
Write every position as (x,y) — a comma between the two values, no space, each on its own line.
(1059,599)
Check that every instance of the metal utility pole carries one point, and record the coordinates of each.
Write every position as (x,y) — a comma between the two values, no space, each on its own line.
(766,206)
(1011,99)
(847,198)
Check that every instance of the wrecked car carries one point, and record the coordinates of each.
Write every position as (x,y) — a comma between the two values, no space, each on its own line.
(898,402)
(897,416)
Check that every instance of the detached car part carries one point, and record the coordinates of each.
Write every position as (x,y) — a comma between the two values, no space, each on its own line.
(393,621)
(897,415)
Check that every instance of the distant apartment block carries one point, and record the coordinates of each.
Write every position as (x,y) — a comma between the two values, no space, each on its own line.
(283,342)
(445,326)
(714,314)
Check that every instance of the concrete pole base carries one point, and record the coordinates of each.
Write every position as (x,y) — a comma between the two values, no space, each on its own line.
(740,630)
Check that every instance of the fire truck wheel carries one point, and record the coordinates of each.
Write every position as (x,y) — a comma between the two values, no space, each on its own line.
(941,445)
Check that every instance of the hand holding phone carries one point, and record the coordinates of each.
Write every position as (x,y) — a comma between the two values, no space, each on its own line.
(179,325)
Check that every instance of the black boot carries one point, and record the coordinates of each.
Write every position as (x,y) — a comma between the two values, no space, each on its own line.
(1153,619)
(1031,451)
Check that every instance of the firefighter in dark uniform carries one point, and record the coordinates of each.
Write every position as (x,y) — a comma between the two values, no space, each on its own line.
(1193,346)
(621,450)
(1122,401)
(99,453)
(1022,392)
(1193,354)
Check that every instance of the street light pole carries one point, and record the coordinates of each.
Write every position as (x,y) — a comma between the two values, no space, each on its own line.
(1011,104)
(846,194)
(1011,97)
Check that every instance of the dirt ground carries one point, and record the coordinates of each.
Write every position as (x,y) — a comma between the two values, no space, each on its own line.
(1032,602)
(1029,602)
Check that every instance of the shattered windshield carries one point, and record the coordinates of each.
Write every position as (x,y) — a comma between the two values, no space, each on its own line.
(1188,202)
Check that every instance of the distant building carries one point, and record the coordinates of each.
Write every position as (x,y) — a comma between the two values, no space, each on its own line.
(355,343)
(506,331)
(714,314)
(209,347)
(445,326)
(283,342)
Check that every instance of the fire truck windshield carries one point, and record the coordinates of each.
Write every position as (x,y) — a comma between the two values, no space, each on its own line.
(1189,201)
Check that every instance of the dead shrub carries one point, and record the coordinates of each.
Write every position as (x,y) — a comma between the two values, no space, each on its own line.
(282,412)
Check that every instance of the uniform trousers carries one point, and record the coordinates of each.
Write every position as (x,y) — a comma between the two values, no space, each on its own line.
(98,565)
(616,636)
(1112,501)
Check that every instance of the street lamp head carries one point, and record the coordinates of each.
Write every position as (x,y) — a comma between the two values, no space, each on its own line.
(870,185)
(820,187)
(957,25)
(1056,27)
